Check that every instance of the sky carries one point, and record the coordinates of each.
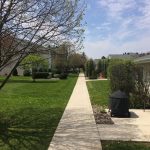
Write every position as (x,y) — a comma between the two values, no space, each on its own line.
(116,26)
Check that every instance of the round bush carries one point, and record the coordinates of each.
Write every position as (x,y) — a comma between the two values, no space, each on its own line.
(41,75)
(63,76)
(15,72)
(27,73)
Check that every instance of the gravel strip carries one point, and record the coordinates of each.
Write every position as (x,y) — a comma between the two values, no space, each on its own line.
(101,117)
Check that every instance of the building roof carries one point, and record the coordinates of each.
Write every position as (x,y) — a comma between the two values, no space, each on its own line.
(128,56)
(143,59)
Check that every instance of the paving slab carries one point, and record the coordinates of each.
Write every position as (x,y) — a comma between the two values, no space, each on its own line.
(77,129)
(136,128)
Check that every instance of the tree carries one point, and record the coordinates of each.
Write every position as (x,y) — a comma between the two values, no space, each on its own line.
(61,57)
(121,74)
(26,25)
(99,67)
(90,69)
(102,66)
(77,60)
(34,61)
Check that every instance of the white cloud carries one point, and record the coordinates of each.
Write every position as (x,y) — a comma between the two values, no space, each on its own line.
(115,8)
(104,26)
(124,33)
(143,21)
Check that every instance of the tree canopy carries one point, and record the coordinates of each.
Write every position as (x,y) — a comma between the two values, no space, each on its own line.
(30,26)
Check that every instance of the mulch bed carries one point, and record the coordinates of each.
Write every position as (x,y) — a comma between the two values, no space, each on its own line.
(101,117)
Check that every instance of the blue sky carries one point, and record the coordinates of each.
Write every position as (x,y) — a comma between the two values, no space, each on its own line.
(117,26)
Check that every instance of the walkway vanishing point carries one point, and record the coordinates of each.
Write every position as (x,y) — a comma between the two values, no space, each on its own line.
(77,128)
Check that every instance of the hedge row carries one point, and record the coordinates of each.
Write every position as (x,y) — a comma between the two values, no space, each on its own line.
(128,77)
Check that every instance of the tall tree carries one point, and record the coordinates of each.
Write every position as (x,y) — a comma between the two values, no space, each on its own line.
(60,60)
(99,66)
(77,60)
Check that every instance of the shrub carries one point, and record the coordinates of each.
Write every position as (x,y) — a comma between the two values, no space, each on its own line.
(56,71)
(140,97)
(56,75)
(121,75)
(86,69)
(63,76)
(128,77)
(40,70)
(90,69)
(93,75)
(15,72)
(49,70)
(27,73)
(40,75)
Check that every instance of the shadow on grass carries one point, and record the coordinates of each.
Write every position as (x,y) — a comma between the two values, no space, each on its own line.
(31,81)
(28,128)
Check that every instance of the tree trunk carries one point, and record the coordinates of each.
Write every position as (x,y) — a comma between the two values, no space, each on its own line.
(9,75)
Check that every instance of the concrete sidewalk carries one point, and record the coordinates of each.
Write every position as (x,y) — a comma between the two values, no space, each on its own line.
(136,128)
(77,128)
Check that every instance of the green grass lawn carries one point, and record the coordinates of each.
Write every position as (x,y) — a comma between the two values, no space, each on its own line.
(99,92)
(30,112)
(115,145)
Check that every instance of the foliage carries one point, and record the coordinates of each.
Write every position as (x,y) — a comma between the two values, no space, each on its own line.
(128,77)
(121,75)
(30,112)
(140,97)
(99,66)
(40,75)
(27,72)
(90,69)
(30,27)
(34,61)
(63,76)
(76,60)
(56,71)
(86,69)
(60,59)
(15,72)
(37,64)
(102,66)
(93,75)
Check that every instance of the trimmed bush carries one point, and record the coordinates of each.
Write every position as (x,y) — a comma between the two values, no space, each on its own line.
(121,75)
(27,73)
(15,72)
(40,75)
(128,77)
(56,71)
(49,70)
(90,69)
(63,76)
(94,75)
